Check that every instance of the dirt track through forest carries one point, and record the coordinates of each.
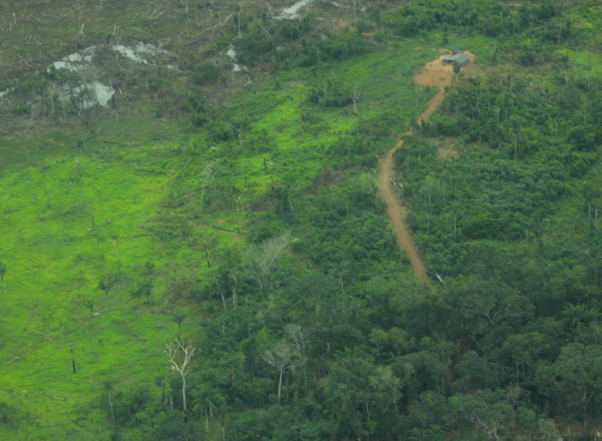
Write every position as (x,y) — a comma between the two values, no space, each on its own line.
(434,73)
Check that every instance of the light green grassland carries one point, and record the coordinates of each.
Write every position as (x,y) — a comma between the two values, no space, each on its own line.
(54,258)
(583,62)
(55,254)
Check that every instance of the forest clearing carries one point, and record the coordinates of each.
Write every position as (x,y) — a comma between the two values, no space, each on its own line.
(291,221)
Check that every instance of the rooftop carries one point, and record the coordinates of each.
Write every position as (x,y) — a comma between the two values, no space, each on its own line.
(459,58)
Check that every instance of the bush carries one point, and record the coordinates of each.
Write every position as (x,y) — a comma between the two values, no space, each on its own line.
(20,109)
(199,120)
(207,73)
(289,32)
(155,83)
(221,132)
(363,26)
(331,93)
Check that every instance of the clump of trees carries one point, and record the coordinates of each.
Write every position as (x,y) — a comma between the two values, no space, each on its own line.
(331,92)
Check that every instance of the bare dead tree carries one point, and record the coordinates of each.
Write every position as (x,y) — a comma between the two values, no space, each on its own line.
(280,358)
(287,357)
(355,100)
(234,294)
(299,336)
(179,357)
(208,179)
(263,258)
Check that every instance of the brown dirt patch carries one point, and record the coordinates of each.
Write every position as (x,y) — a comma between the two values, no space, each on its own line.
(480,146)
(446,147)
(437,73)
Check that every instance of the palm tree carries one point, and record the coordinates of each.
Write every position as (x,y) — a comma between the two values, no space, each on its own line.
(106,284)
(89,303)
(109,386)
(178,317)
(2,274)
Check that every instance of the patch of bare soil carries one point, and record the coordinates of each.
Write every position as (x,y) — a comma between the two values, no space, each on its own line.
(480,145)
(437,73)
(446,147)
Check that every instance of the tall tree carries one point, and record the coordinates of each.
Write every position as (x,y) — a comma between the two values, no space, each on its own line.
(179,357)
(263,257)
(574,381)
(178,316)
(280,357)
(105,284)
(2,275)
(109,386)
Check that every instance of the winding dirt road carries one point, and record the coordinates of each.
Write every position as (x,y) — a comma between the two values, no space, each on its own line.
(434,73)
(397,213)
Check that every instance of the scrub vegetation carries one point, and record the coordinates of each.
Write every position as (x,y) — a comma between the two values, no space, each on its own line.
(207,256)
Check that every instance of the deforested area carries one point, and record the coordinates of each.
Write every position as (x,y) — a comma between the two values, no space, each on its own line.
(305,220)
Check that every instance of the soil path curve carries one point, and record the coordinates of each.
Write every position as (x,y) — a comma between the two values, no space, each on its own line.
(434,73)
(397,213)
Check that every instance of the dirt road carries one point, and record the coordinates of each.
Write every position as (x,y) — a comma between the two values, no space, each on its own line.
(434,73)
(397,213)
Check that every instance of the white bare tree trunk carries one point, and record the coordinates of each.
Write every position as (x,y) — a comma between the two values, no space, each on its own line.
(111,407)
(264,257)
(186,352)
(280,385)
(184,393)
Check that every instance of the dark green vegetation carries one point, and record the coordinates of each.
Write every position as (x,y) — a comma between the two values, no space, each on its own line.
(233,276)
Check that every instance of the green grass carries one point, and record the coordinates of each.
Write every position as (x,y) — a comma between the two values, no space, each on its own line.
(55,257)
(583,62)
(59,232)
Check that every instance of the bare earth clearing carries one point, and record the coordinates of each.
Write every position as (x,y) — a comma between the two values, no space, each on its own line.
(434,73)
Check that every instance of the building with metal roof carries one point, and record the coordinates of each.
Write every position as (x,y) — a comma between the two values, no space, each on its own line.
(458,58)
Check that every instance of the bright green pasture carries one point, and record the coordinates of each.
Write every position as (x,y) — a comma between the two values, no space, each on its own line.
(59,235)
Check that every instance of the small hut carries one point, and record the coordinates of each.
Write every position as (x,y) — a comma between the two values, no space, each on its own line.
(462,59)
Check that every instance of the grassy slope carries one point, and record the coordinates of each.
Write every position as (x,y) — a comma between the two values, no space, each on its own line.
(55,257)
